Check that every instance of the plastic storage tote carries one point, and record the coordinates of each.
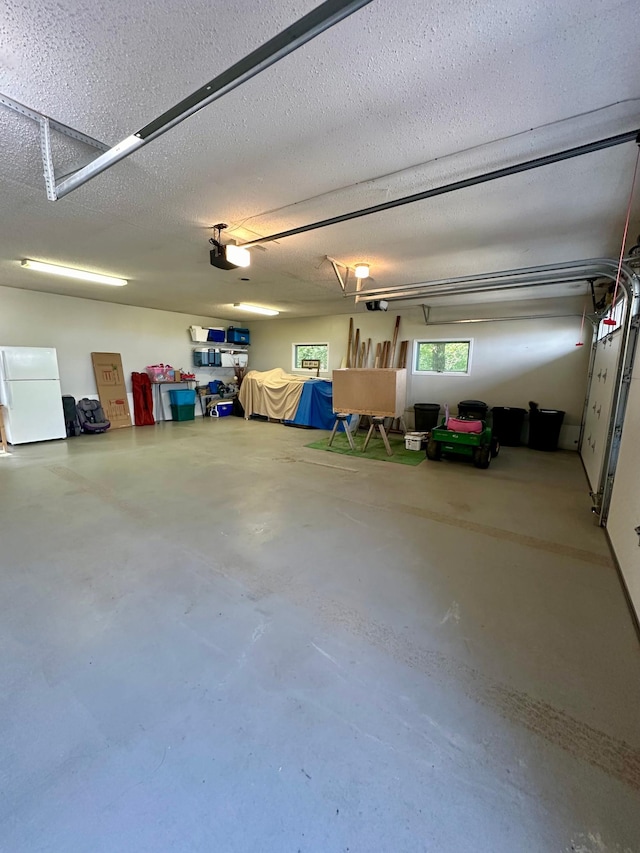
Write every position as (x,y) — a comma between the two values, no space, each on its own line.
(206,357)
(426,416)
(507,424)
(160,373)
(201,357)
(198,334)
(183,413)
(238,336)
(233,359)
(182,397)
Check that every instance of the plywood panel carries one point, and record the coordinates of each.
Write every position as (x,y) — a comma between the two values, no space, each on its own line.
(107,367)
(624,512)
(368,391)
(599,405)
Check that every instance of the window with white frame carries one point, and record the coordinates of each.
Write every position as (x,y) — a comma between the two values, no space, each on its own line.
(301,352)
(448,357)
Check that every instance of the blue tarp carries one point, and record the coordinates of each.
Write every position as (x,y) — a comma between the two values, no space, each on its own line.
(315,408)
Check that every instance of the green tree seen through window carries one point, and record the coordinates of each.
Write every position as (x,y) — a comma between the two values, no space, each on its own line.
(443,356)
(320,351)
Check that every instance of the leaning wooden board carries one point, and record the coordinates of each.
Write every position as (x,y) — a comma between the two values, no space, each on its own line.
(370,391)
(3,436)
(107,367)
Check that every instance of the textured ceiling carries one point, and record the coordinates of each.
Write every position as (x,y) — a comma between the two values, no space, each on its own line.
(397,98)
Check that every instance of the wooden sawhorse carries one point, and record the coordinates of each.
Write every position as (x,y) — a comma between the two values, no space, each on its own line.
(379,423)
(342,418)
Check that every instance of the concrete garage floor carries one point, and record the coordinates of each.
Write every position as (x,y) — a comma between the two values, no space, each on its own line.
(215,639)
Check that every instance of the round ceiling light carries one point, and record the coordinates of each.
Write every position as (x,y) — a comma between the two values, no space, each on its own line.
(362,270)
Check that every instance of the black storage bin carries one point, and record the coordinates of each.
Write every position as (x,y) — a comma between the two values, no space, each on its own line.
(475,409)
(544,428)
(507,424)
(426,416)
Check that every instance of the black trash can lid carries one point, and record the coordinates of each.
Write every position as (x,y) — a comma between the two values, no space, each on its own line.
(427,406)
(472,403)
(507,409)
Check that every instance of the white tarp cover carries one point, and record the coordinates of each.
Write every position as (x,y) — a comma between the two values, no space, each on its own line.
(272,393)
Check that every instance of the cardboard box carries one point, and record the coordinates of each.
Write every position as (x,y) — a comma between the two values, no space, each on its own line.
(381,392)
(107,368)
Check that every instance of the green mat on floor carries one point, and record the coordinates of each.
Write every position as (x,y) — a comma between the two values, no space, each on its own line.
(375,450)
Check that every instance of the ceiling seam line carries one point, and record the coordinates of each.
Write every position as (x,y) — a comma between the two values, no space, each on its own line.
(395,172)
(455,186)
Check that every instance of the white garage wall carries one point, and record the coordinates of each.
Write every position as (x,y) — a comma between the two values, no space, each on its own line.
(513,362)
(78,327)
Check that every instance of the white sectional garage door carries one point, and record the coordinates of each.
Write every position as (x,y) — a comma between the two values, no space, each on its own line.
(624,513)
(599,405)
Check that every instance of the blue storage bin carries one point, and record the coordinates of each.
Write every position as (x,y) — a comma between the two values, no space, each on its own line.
(216,335)
(182,397)
(238,336)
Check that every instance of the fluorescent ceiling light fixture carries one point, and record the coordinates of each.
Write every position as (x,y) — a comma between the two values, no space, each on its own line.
(68,272)
(362,270)
(255,309)
(237,255)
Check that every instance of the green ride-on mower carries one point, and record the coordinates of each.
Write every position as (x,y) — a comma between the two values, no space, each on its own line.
(463,436)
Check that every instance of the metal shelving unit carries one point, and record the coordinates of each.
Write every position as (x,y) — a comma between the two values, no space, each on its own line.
(221,347)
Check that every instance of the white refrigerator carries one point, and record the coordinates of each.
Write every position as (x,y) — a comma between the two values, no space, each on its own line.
(30,392)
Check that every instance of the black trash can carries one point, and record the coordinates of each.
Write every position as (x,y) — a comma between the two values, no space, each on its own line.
(507,424)
(544,428)
(475,409)
(426,416)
